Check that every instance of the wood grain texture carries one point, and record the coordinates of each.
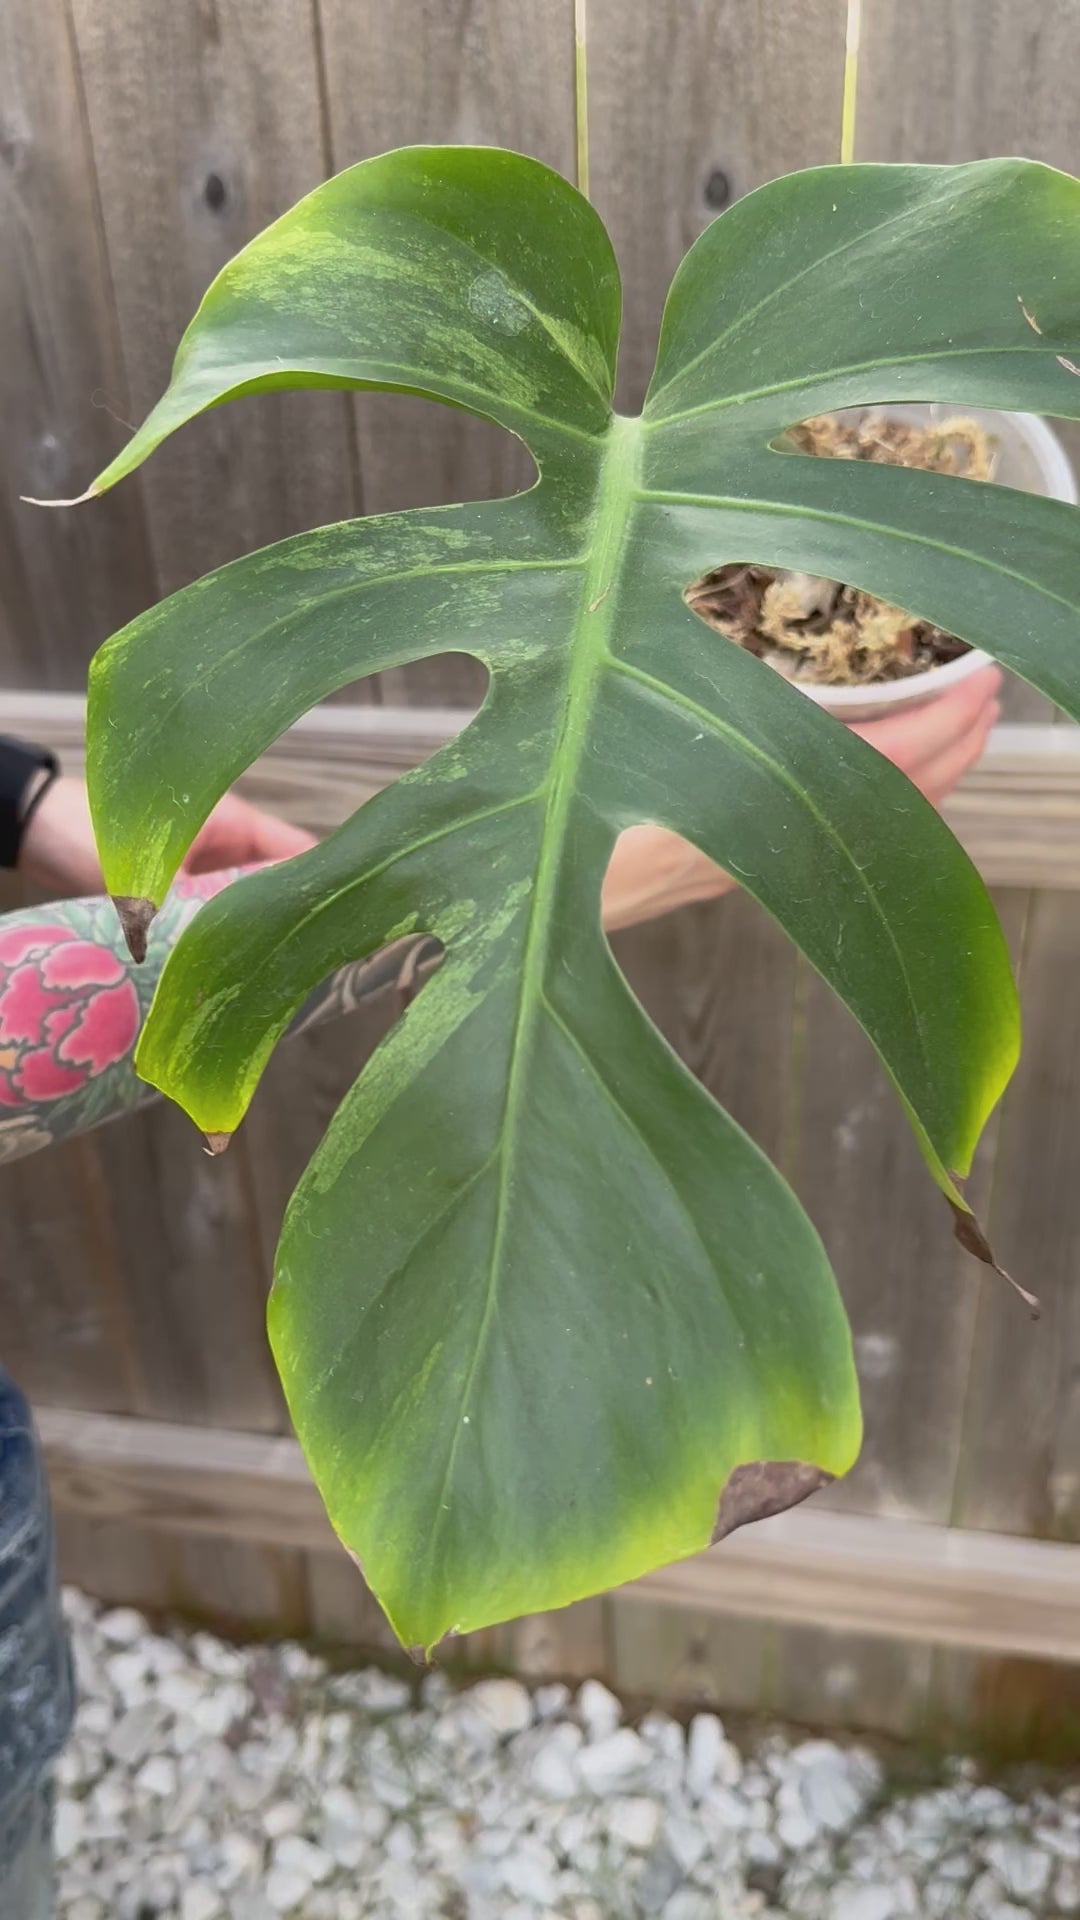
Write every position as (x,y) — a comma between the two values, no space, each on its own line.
(460,71)
(237,1588)
(1017,814)
(1019,1454)
(570,1644)
(192,1270)
(342,1611)
(1020,1462)
(696,104)
(910,1291)
(690,1656)
(64,1333)
(827,1677)
(66,579)
(206,123)
(944,81)
(940,80)
(912,1296)
(947,83)
(117,1562)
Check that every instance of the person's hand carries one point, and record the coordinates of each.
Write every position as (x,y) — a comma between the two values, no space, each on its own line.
(936,744)
(652,871)
(58,851)
(240,835)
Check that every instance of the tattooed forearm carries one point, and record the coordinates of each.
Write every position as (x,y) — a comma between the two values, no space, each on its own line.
(72,1003)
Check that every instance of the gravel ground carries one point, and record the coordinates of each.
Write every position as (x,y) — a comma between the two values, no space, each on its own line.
(206,1782)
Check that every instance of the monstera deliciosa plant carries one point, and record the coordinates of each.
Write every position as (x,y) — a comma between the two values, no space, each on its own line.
(545,1317)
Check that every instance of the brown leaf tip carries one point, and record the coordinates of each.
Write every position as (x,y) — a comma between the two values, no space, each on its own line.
(217,1142)
(764,1487)
(974,1241)
(135,917)
(80,499)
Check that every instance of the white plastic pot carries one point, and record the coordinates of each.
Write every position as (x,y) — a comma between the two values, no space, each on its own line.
(1029,456)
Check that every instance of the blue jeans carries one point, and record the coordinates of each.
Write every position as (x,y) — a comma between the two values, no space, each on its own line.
(36,1692)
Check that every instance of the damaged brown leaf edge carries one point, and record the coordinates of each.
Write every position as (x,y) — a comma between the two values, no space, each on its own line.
(135,914)
(761,1488)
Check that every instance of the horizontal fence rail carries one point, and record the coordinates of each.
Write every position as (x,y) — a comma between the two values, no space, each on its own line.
(848,1572)
(1017,813)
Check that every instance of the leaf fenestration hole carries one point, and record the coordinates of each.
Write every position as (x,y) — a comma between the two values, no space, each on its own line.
(818,631)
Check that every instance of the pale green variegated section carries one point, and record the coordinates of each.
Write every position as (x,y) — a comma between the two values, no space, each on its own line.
(537,1300)
(455,272)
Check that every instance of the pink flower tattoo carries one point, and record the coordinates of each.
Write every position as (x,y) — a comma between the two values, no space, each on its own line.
(68,1010)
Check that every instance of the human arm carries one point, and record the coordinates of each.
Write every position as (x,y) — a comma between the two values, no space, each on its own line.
(57,850)
(71,1003)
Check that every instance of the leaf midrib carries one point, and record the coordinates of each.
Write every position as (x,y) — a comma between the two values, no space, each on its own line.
(617,482)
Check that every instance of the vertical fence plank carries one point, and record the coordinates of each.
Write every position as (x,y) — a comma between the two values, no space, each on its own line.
(573,1643)
(912,1296)
(1020,1467)
(118,1563)
(63,1332)
(690,106)
(190,1268)
(910,1290)
(206,122)
(942,80)
(687,1659)
(192,1276)
(852,1680)
(459,71)
(342,1610)
(66,579)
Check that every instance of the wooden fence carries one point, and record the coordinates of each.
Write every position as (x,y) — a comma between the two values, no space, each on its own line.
(140,144)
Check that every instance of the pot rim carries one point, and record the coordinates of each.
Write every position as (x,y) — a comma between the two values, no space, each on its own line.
(1061,484)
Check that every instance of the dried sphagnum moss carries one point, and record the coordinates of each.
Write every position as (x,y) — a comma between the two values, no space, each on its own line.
(819,630)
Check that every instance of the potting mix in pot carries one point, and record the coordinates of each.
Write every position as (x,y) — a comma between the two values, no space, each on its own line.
(819,631)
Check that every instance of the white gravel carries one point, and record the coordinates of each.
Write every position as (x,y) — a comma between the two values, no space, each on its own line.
(206,1782)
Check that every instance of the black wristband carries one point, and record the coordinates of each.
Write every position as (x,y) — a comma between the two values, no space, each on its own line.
(19,762)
